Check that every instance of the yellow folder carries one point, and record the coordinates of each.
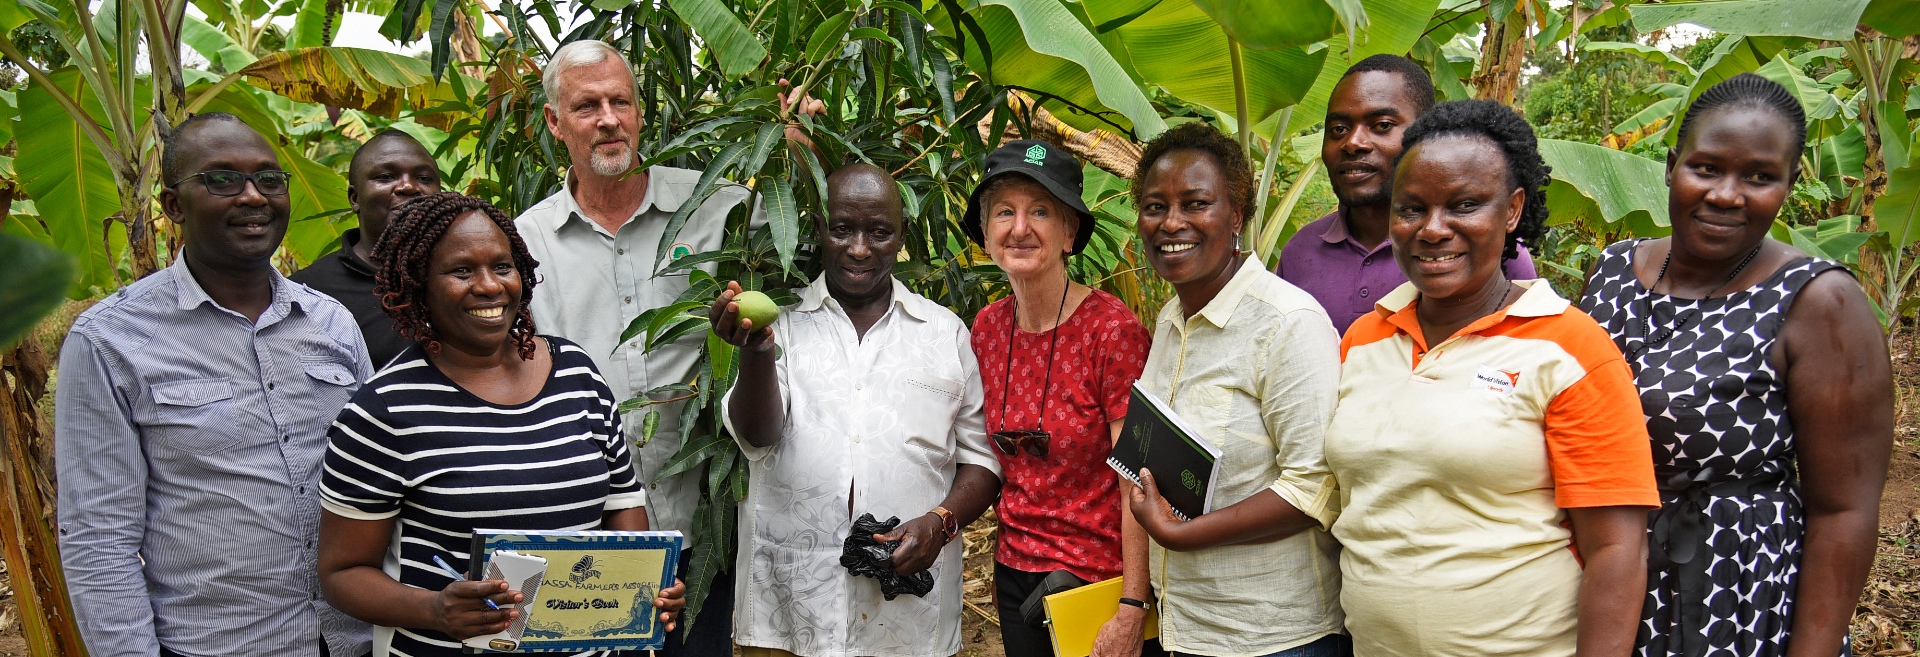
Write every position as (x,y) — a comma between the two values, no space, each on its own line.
(1074,617)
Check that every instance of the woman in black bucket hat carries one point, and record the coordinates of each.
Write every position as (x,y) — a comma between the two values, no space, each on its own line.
(1057,360)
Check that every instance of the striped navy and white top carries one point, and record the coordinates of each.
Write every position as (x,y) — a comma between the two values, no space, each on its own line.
(415,446)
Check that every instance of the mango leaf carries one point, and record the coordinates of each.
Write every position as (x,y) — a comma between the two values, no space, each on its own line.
(1898,211)
(1041,46)
(30,285)
(1273,24)
(1179,47)
(723,34)
(1620,185)
(1393,27)
(1657,56)
(826,37)
(368,80)
(1894,18)
(214,45)
(57,161)
(783,217)
(1832,20)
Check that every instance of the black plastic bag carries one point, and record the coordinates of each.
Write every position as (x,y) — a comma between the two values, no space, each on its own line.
(866,557)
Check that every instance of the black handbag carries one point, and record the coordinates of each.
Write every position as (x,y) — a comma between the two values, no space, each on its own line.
(1034,609)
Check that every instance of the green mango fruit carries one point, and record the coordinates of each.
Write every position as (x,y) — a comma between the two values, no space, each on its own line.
(758,308)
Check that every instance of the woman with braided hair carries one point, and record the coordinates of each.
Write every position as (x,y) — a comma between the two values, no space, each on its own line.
(481,423)
(1767,391)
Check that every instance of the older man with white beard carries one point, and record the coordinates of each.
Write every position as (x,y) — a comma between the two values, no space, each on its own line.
(596,240)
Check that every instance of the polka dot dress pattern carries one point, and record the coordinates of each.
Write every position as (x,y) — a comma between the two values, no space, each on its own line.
(1717,413)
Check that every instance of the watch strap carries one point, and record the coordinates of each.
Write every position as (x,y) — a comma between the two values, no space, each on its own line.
(1135,603)
(949,523)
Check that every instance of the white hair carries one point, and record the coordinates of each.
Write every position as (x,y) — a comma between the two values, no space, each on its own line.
(585,52)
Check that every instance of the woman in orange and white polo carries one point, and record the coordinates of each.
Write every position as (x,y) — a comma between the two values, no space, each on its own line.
(1492,464)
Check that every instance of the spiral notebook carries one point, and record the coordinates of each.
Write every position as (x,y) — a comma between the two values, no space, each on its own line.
(1184,465)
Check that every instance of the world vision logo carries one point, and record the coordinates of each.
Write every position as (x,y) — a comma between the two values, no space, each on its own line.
(1037,155)
(1498,381)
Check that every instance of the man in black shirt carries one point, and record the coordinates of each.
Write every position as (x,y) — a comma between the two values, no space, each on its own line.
(390,169)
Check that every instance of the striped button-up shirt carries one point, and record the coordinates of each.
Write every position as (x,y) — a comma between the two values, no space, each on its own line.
(188,442)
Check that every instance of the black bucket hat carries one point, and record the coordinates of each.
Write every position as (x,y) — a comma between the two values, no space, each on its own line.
(1046,164)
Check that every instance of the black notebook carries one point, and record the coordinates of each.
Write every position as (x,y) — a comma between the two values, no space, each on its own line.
(1184,465)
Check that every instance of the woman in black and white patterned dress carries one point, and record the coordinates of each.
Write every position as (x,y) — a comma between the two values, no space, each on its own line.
(1768,394)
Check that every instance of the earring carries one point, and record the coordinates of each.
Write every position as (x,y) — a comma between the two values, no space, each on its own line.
(1236,244)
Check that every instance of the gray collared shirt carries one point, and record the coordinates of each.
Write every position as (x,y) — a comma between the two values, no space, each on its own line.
(188,442)
(592,282)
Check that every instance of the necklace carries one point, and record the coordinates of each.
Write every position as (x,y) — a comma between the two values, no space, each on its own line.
(1046,382)
(1648,340)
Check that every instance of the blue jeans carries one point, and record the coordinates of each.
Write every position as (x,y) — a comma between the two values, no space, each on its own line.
(1332,645)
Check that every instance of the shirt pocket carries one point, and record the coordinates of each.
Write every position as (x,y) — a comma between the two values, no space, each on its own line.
(195,415)
(931,403)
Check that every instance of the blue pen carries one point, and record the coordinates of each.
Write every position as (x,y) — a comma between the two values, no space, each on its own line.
(455,574)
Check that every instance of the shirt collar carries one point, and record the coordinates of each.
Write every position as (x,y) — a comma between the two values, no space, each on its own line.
(1337,229)
(663,194)
(815,295)
(1221,308)
(190,295)
(1539,300)
(349,257)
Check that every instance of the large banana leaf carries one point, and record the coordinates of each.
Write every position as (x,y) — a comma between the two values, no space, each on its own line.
(1899,210)
(1601,185)
(9,110)
(31,284)
(1273,24)
(724,35)
(368,80)
(1041,46)
(1393,27)
(1895,18)
(1832,20)
(310,24)
(1178,46)
(318,197)
(214,45)
(58,164)
(1654,55)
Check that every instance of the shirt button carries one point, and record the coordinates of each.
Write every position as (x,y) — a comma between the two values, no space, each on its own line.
(629,299)
(620,251)
(859,386)
(302,490)
(1366,261)
(1363,293)
(286,438)
(269,385)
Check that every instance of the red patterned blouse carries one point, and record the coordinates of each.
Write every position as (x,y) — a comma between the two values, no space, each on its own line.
(1062,512)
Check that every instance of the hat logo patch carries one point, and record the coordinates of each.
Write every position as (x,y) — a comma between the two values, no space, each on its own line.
(1037,155)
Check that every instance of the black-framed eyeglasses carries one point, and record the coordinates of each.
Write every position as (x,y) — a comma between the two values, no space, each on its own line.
(221,182)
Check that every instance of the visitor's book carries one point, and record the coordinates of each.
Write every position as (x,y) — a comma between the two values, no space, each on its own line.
(1184,465)
(598,590)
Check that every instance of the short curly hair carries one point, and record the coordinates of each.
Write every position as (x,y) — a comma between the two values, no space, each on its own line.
(401,257)
(1199,136)
(1509,132)
(1750,90)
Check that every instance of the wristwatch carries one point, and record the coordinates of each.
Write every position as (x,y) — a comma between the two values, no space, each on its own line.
(949,523)
(1136,603)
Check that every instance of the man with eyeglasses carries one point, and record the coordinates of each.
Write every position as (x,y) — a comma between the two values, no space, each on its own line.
(869,404)
(190,424)
(389,169)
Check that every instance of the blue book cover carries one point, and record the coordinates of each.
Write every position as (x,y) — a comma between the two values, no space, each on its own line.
(599,588)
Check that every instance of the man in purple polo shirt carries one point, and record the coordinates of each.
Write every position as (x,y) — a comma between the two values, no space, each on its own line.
(1343,259)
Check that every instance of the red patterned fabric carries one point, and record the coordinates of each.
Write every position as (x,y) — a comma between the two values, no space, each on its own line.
(1063,512)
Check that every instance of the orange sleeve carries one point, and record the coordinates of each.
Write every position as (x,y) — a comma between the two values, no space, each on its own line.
(1597,444)
(1368,329)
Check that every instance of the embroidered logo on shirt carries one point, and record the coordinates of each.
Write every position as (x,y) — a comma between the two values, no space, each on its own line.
(1497,381)
(679,250)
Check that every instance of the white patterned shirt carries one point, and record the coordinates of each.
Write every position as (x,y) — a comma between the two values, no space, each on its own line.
(1257,372)
(873,425)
